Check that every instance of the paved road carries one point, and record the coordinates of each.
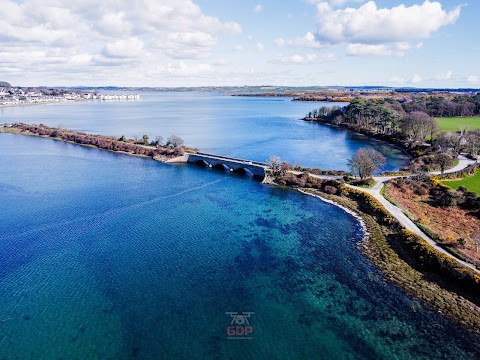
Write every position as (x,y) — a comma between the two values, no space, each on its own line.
(398,214)
(463,162)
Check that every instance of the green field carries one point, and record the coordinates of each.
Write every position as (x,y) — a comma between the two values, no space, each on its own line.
(458,123)
(472,183)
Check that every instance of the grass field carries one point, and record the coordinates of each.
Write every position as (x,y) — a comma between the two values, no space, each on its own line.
(472,183)
(458,123)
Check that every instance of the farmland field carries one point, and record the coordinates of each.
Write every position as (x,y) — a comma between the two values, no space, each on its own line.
(458,123)
(472,183)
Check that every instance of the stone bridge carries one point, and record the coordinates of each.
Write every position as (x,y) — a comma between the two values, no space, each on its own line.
(256,168)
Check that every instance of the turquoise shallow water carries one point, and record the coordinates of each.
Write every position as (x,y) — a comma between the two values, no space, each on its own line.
(105,256)
(249,128)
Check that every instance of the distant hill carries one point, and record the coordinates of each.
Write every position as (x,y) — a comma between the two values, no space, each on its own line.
(4,84)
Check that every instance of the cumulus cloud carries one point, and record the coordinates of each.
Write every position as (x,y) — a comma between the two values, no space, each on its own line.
(301,60)
(473,79)
(55,35)
(260,47)
(307,41)
(258,8)
(336,3)
(397,80)
(398,49)
(369,24)
(192,45)
(416,79)
(124,48)
(445,76)
(183,69)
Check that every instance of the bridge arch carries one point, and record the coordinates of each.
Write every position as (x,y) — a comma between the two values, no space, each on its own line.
(221,166)
(201,162)
(244,170)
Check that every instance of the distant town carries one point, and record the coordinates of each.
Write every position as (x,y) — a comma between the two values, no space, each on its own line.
(14,95)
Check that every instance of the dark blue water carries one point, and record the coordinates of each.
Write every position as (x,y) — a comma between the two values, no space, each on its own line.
(248,128)
(106,256)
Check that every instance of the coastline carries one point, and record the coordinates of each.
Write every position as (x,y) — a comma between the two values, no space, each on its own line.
(361,221)
(377,246)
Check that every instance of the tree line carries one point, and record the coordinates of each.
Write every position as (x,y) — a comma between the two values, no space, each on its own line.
(411,122)
(172,148)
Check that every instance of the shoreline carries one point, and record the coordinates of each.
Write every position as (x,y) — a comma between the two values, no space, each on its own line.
(354,214)
(430,291)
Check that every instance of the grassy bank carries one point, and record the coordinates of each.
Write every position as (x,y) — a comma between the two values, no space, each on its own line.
(472,183)
(454,124)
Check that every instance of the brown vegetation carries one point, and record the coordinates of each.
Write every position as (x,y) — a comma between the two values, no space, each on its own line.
(450,217)
(110,143)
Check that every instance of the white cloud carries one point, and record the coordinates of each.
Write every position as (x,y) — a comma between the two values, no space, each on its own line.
(190,45)
(366,50)
(416,79)
(183,69)
(258,8)
(116,28)
(445,76)
(299,59)
(336,3)
(125,48)
(64,41)
(114,24)
(307,41)
(370,25)
(473,79)
(238,47)
(398,49)
(397,80)
(260,47)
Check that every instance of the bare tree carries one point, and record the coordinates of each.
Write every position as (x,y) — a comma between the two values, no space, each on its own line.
(158,141)
(275,163)
(418,125)
(365,162)
(443,160)
(473,143)
(175,141)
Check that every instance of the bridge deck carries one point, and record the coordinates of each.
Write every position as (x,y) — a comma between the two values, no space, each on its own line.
(242,161)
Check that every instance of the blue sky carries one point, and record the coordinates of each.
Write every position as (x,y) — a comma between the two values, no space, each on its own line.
(212,42)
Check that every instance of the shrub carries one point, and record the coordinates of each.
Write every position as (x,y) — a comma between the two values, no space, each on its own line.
(330,190)
(430,260)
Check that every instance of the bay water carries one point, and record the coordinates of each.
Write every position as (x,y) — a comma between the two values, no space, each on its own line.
(243,127)
(108,256)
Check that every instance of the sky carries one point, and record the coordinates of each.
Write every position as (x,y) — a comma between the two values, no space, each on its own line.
(170,43)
